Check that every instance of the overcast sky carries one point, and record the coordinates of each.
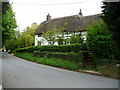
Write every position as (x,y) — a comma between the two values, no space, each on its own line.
(30,11)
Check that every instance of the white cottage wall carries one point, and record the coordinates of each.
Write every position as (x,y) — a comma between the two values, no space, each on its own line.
(43,41)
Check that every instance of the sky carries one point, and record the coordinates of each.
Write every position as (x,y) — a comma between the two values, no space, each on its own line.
(30,11)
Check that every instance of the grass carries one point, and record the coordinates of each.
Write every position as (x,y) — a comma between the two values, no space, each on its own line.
(50,61)
(110,70)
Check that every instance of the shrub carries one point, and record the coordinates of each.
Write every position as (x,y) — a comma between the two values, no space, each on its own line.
(100,42)
(52,48)
(11,45)
(76,39)
(76,57)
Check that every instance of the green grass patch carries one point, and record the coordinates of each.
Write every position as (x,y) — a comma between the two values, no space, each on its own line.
(110,70)
(49,61)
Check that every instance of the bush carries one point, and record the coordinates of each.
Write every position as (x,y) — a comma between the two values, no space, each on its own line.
(11,45)
(76,57)
(52,48)
(76,39)
(100,42)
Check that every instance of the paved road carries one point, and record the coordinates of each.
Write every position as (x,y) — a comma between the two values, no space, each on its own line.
(19,73)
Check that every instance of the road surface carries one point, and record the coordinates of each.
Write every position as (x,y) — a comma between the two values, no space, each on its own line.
(19,73)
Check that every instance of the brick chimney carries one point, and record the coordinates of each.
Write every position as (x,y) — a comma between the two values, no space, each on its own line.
(48,17)
(80,13)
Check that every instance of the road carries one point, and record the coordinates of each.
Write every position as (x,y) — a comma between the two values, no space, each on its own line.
(19,73)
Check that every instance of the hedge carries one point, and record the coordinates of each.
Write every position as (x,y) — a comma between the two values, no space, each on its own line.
(100,42)
(76,57)
(52,48)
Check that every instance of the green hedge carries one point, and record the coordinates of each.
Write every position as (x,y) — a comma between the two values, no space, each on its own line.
(52,48)
(76,57)
(100,42)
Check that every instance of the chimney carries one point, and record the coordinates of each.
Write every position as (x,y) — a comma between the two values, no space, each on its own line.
(48,17)
(80,13)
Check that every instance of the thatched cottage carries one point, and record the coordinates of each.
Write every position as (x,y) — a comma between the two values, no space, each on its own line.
(76,24)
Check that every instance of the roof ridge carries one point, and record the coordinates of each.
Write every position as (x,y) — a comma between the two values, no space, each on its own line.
(70,16)
(70,23)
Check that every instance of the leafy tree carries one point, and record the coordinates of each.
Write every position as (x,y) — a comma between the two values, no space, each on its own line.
(8,22)
(30,30)
(60,35)
(26,40)
(100,41)
(53,35)
(29,34)
(12,44)
(76,39)
(111,16)
(27,37)
(23,39)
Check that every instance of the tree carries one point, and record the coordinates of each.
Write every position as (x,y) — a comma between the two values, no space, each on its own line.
(53,35)
(8,22)
(76,39)
(111,16)
(27,37)
(29,33)
(30,30)
(60,35)
(101,43)
(24,39)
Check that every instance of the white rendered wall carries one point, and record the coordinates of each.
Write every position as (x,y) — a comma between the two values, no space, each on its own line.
(41,39)
(44,41)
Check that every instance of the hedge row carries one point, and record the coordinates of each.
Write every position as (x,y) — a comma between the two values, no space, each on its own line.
(75,57)
(52,48)
(101,43)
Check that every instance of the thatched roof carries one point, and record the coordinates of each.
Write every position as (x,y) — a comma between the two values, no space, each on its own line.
(70,23)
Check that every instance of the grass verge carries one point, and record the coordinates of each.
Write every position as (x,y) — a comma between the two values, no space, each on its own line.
(110,70)
(49,61)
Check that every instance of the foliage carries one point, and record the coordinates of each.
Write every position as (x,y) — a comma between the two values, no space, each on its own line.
(110,70)
(50,61)
(60,36)
(50,36)
(76,39)
(54,35)
(8,23)
(23,39)
(52,48)
(26,40)
(28,37)
(75,57)
(30,30)
(111,17)
(11,45)
(100,42)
